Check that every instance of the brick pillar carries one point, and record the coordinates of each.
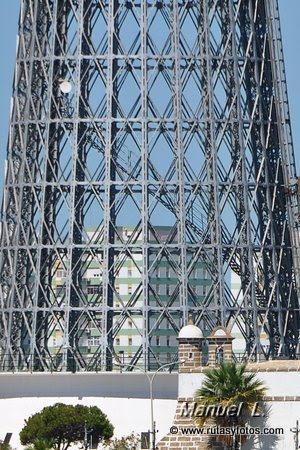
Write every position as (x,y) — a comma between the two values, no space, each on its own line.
(189,350)
(219,346)
(184,420)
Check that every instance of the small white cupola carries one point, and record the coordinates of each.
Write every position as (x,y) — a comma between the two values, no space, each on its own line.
(219,345)
(190,332)
(190,340)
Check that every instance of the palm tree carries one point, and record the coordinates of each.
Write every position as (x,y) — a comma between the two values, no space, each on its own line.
(228,386)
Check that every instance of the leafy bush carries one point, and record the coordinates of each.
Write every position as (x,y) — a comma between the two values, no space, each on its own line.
(63,425)
(125,443)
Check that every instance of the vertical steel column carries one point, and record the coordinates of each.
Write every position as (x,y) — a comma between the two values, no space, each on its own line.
(109,196)
(34,350)
(211,161)
(247,256)
(145,195)
(179,155)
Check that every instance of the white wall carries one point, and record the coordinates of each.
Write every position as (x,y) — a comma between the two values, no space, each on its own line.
(127,415)
(125,400)
(123,397)
(102,384)
(278,413)
(279,383)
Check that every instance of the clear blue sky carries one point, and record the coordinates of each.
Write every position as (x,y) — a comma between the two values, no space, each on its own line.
(9,10)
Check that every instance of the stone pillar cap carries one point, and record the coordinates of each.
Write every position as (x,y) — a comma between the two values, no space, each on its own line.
(190,332)
(220,333)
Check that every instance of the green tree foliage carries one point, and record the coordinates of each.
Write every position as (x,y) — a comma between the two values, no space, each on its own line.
(5,446)
(41,444)
(229,385)
(63,425)
(125,443)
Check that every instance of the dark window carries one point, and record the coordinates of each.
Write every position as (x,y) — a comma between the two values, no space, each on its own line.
(96,289)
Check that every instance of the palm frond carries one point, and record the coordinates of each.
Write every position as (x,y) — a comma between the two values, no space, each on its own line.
(230,384)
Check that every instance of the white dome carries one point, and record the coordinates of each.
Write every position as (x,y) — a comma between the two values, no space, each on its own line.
(190,332)
(220,332)
(65,87)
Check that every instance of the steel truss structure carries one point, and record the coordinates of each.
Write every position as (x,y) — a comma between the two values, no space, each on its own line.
(147,113)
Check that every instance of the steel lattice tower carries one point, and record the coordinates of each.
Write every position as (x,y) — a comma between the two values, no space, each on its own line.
(147,113)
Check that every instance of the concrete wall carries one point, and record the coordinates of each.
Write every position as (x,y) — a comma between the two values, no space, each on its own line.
(127,415)
(125,400)
(123,397)
(279,383)
(102,384)
(282,407)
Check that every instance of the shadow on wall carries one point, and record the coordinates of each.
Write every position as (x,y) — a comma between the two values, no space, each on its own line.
(263,442)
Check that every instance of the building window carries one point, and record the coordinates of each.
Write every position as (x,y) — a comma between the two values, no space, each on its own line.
(96,289)
(157,340)
(168,341)
(129,323)
(117,341)
(162,272)
(60,273)
(168,272)
(129,341)
(130,272)
(93,341)
(129,289)
(117,289)
(162,289)
(93,324)
(168,289)
(219,355)
(61,291)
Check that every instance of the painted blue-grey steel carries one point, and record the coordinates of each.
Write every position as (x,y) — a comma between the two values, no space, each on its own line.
(174,125)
